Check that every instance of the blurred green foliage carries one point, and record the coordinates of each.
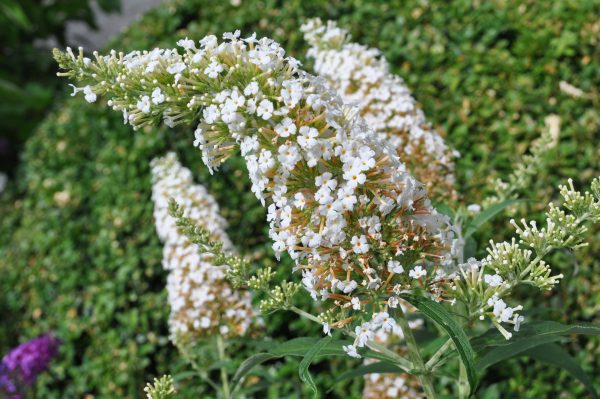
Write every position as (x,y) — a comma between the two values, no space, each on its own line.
(78,252)
(27,73)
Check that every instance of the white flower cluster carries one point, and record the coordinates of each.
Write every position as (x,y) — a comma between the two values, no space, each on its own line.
(393,385)
(481,286)
(340,202)
(362,77)
(201,300)
(483,291)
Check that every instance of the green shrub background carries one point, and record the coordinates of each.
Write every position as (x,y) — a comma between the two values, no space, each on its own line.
(78,250)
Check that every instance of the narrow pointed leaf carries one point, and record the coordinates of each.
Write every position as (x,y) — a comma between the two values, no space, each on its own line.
(486,215)
(534,330)
(307,360)
(436,312)
(513,348)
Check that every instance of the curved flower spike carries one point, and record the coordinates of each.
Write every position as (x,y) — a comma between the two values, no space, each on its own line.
(202,301)
(339,200)
(361,76)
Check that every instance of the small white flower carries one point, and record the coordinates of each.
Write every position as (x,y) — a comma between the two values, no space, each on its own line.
(417,272)
(354,177)
(209,42)
(249,145)
(265,109)
(502,311)
(355,303)
(493,280)
(187,44)
(143,104)
(157,96)
(211,114)
(307,137)
(363,334)
(518,320)
(90,96)
(351,286)
(291,93)
(213,69)
(359,244)
(251,89)
(299,201)
(386,322)
(394,266)
(204,322)
(176,68)
(326,329)
(474,208)
(286,128)
(393,302)
(231,35)
(351,351)
(198,137)
(491,301)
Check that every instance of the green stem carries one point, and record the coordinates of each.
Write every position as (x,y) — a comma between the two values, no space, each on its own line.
(432,363)
(413,350)
(304,314)
(224,379)
(463,383)
(201,373)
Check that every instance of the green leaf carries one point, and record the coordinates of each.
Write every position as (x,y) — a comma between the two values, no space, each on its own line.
(14,12)
(307,360)
(300,346)
(555,355)
(438,313)
(494,348)
(246,366)
(185,375)
(486,215)
(534,329)
(513,347)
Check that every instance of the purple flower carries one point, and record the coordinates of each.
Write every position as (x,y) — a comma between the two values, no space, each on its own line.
(23,364)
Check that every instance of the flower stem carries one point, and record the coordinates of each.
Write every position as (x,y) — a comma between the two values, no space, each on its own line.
(224,379)
(304,314)
(432,363)
(413,350)
(201,373)
(463,383)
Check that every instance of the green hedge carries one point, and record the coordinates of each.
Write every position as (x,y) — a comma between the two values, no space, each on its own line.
(88,266)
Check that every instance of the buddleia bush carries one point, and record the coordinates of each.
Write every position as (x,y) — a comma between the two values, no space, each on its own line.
(64,247)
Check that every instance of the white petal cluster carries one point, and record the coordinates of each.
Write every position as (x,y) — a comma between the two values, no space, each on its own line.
(339,200)
(201,300)
(391,385)
(362,77)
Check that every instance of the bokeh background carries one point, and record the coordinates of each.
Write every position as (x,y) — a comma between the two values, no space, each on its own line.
(78,252)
